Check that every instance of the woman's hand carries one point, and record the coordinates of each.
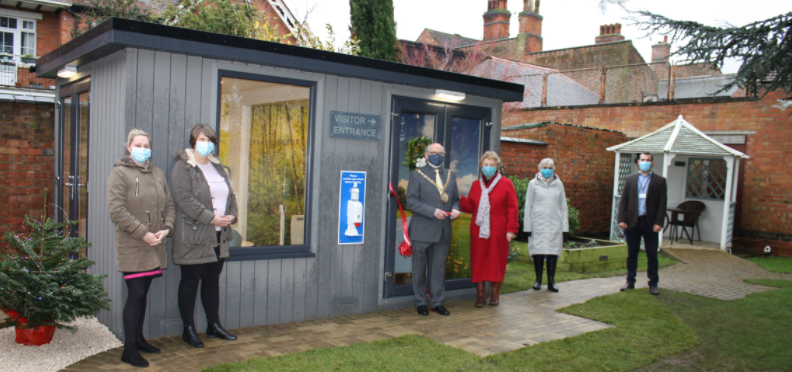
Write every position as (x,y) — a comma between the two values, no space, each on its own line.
(510,236)
(151,239)
(161,236)
(222,221)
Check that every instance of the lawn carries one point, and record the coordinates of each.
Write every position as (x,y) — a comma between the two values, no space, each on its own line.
(520,274)
(646,330)
(774,264)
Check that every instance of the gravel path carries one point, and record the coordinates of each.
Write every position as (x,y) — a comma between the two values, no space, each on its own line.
(66,348)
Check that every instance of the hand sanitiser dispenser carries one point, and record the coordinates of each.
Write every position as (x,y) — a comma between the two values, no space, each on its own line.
(354,211)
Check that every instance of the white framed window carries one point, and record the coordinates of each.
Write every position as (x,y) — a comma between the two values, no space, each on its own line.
(17,36)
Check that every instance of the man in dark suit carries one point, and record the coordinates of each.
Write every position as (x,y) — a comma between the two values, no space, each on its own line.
(433,198)
(642,209)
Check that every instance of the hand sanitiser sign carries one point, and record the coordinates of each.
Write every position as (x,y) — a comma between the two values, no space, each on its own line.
(351,209)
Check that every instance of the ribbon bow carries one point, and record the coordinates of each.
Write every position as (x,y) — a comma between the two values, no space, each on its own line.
(405,249)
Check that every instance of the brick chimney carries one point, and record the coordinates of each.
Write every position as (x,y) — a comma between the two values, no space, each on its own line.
(496,20)
(609,34)
(661,51)
(531,27)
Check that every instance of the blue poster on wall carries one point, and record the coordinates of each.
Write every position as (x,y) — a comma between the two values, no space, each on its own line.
(352,207)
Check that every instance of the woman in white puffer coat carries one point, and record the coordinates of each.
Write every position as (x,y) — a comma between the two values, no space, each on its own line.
(546,221)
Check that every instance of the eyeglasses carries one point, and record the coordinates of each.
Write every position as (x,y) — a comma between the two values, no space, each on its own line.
(430,153)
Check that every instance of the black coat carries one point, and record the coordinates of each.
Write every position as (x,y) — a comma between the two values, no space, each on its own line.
(656,200)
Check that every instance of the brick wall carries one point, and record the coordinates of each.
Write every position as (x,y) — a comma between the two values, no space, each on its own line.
(582,163)
(26,162)
(767,192)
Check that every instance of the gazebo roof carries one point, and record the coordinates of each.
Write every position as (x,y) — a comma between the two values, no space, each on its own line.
(678,137)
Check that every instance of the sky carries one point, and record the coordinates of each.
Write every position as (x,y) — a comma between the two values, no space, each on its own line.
(567,23)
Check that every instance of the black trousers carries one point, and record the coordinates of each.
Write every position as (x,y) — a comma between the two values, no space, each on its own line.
(208,277)
(633,236)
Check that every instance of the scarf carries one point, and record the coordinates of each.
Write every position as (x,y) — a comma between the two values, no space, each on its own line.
(483,216)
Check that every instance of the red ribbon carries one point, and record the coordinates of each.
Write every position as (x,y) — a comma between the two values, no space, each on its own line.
(405,249)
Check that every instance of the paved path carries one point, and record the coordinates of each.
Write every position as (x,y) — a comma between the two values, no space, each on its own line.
(523,318)
(714,273)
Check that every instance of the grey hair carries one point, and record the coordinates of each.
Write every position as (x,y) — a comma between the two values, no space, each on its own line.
(546,162)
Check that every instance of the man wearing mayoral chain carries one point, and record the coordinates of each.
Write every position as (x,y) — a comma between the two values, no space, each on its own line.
(433,198)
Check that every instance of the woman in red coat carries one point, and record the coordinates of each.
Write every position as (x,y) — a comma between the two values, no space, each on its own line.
(493,202)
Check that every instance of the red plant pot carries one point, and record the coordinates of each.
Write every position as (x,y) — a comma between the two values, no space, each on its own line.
(37,336)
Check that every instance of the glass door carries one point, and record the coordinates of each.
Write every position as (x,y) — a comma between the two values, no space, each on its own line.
(71,198)
(463,133)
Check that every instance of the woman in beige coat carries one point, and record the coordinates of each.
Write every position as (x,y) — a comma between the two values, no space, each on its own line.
(143,213)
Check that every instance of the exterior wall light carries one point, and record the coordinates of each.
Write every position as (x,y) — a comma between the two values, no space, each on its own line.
(67,71)
(451,95)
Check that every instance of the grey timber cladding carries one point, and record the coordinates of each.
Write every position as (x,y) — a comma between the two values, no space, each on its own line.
(166,95)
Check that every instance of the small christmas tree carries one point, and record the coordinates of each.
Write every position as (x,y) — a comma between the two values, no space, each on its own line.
(43,283)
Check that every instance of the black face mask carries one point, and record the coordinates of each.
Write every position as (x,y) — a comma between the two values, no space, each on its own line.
(436,159)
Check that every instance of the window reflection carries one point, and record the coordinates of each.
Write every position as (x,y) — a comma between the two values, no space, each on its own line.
(263,142)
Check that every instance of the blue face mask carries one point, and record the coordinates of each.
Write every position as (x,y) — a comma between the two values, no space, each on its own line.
(488,171)
(204,148)
(436,159)
(645,165)
(140,155)
(546,173)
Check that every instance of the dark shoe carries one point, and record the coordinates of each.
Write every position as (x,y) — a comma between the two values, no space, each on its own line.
(653,290)
(495,293)
(423,310)
(215,329)
(441,310)
(538,261)
(552,261)
(481,294)
(191,337)
(146,347)
(134,358)
(627,286)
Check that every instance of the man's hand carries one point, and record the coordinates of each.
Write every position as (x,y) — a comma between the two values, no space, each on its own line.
(439,214)
(454,214)
(657,228)
(623,225)
(510,236)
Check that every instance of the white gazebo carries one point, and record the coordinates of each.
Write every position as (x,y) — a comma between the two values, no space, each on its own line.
(695,166)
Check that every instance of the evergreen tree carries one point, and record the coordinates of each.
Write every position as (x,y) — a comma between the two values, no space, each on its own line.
(43,283)
(764,48)
(374,28)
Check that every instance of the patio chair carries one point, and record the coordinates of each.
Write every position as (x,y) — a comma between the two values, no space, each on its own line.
(694,210)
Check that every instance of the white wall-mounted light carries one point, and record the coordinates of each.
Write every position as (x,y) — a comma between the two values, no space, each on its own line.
(67,71)
(450,94)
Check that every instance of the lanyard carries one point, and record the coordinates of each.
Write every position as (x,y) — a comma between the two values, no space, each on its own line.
(643,186)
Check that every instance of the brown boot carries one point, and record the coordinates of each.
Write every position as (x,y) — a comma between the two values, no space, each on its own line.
(481,294)
(495,294)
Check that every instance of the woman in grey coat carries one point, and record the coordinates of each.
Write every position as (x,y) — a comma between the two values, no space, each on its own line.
(546,221)
(205,209)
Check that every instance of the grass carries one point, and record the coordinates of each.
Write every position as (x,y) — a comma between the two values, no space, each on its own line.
(520,274)
(774,264)
(753,333)
(645,330)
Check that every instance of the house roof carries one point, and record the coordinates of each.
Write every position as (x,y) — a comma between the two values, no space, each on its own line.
(42,5)
(699,86)
(117,34)
(523,140)
(561,90)
(452,40)
(678,137)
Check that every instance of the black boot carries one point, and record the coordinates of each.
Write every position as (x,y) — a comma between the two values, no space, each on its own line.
(538,261)
(552,260)
(146,347)
(215,329)
(133,357)
(191,337)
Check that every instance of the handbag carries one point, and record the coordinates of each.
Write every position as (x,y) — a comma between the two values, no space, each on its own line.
(405,249)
